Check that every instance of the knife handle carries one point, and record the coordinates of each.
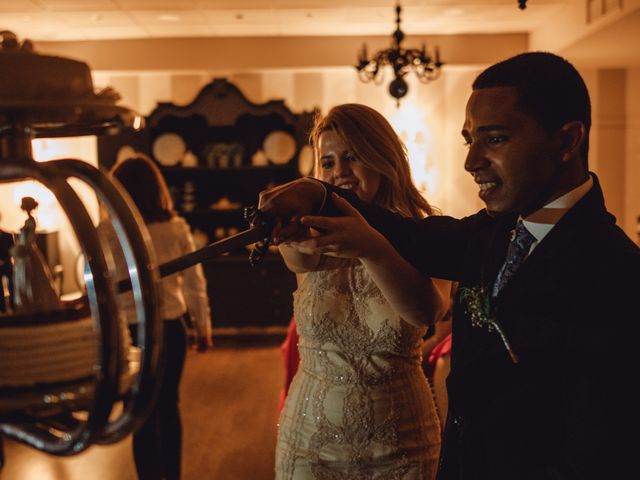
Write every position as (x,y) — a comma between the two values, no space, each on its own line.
(258,219)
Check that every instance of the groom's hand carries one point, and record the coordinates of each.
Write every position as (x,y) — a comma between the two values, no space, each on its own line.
(346,236)
(287,203)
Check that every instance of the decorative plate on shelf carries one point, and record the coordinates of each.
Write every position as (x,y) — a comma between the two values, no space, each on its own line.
(124,152)
(259,159)
(279,147)
(306,161)
(169,149)
(189,159)
(225,204)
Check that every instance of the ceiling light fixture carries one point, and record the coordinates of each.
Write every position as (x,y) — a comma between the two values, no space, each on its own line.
(402,60)
(168,17)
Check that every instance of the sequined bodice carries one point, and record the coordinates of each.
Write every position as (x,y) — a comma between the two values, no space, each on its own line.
(348,331)
(360,395)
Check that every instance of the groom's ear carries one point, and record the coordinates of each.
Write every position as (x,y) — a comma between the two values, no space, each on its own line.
(571,136)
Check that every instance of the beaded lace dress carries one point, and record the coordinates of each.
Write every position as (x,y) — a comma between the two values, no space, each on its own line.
(359,406)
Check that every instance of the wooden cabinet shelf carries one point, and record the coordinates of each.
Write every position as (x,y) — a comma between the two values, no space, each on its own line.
(245,296)
(232,213)
(269,169)
(228,136)
(200,188)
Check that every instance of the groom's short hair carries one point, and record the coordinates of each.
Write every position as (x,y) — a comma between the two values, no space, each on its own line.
(550,89)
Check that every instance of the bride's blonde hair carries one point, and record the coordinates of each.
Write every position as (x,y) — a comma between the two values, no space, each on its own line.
(372,140)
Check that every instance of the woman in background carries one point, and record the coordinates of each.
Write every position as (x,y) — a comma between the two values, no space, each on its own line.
(359,405)
(157,445)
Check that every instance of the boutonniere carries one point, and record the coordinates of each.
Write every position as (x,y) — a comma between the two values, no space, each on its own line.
(479,308)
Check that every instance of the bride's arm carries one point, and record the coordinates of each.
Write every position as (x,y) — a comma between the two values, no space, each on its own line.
(416,298)
(299,259)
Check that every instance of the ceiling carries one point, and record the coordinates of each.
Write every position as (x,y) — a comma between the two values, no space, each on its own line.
(60,20)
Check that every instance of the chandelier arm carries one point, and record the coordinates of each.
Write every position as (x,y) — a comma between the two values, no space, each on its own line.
(365,76)
(425,64)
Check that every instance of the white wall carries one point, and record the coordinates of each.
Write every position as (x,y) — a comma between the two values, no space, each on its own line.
(614,152)
(631,222)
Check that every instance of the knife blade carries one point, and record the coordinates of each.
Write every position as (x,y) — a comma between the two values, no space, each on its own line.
(260,231)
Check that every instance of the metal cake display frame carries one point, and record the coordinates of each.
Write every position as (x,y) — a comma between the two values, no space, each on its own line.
(64,419)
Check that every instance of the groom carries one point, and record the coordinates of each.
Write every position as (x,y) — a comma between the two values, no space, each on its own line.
(545,320)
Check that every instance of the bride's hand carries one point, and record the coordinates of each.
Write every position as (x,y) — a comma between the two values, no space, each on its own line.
(298,242)
(349,236)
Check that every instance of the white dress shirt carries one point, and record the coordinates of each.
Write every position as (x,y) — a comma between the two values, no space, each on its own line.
(542,221)
(181,291)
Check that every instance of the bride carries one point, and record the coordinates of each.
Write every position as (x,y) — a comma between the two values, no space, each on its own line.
(360,406)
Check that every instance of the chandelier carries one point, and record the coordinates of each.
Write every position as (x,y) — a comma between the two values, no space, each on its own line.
(403,60)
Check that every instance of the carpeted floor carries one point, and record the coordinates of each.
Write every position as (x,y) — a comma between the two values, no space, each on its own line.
(228,404)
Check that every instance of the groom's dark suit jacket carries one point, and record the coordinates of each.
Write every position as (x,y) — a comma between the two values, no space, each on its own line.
(571,313)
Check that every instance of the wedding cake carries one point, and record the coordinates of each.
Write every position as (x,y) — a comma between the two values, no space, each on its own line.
(31,76)
(29,79)
(42,350)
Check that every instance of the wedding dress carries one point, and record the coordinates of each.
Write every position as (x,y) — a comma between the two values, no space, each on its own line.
(359,406)
(34,290)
